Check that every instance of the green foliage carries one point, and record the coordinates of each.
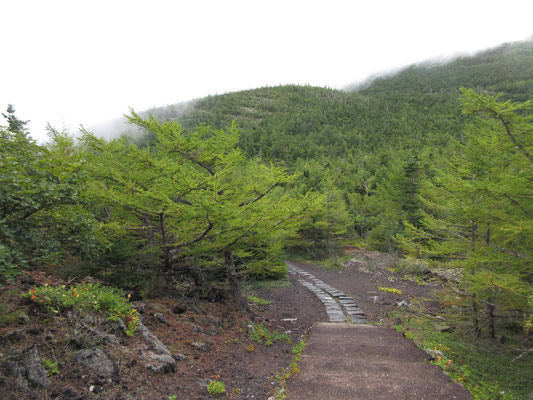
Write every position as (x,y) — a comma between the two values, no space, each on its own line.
(298,349)
(9,318)
(265,271)
(258,300)
(412,267)
(327,224)
(87,297)
(334,262)
(390,290)
(15,125)
(293,368)
(364,141)
(488,371)
(196,196)
(42,215)
(261,334)
(478,214)
(216,388)
(269,284)
(51,367)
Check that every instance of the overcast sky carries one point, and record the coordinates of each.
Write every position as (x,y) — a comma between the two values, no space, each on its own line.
(81,62)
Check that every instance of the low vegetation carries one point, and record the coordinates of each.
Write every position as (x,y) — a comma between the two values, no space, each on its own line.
(390,290)
(216,387)
(87,297)
(488,370)
(261,334)
(279,393)
(257,300)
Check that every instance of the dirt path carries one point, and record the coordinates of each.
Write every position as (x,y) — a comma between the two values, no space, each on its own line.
(347,362)
(227,352)
(339,306)
(356,360)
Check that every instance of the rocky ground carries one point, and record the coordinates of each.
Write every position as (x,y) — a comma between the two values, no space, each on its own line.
(183,344)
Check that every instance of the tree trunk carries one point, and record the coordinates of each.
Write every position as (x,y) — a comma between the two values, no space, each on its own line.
(231,275)
(149,232)
(166,249)
(195,273)
(475,313)
(491,317)
(490,302)
(475,318)
(328,244)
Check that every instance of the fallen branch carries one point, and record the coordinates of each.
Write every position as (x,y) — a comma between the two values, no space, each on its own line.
(524,352)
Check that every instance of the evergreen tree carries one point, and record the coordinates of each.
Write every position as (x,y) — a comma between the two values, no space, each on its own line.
(43,219)
(14,124)
(195,196)
(479,215)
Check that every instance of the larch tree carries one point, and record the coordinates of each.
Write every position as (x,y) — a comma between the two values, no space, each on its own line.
(478,216)
(195,196)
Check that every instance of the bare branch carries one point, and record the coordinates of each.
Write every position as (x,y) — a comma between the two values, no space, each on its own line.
(182,200)
(198,239)
(517,204)
(505,124)
(245,232)
(194,160)
(524,352)
(261,195)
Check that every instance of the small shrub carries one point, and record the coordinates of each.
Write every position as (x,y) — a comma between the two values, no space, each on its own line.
(87,297)
(260,334)
(216,388)
(391,261)
(12,317)
(411,266)
(298,349)
(51,367)
(390,290)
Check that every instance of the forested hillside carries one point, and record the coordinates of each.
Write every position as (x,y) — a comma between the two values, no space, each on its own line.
(371,141)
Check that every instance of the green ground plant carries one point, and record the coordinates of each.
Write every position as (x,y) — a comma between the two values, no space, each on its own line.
(216,388)
(334,262)
(269,284)
(261,334)
(87,297)
(8,315)
(335,259)
(486,369)
(390,290)
(258,300)
(412,270)
(297,351)
(51,367)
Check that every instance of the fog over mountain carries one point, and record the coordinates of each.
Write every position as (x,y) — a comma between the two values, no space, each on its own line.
(71,63)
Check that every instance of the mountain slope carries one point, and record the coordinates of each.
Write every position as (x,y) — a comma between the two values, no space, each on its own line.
(415,108)
(363,140)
